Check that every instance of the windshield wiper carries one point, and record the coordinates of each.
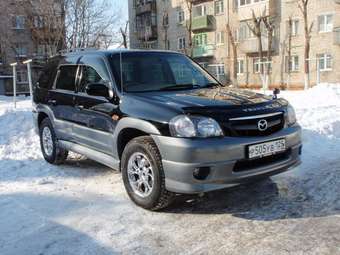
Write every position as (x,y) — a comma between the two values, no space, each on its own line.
(181,86)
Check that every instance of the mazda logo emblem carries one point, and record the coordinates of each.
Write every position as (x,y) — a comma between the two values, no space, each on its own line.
(262,125)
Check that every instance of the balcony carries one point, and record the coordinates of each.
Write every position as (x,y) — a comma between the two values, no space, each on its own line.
(337,36)
(145,8)
(148,33)
(268,7)
(201,23)
(251,45)
(202,1)
(203,51)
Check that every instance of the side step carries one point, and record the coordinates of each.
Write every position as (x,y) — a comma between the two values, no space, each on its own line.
(91,154)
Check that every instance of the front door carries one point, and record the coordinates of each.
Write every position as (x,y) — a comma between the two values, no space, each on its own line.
(95,115)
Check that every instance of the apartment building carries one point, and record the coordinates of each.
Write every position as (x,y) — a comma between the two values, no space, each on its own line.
(28,30)
(164,24)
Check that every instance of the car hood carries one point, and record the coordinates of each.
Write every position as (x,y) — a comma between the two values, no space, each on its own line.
(206,98)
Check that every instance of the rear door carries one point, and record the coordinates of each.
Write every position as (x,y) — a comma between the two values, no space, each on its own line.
(62,100)
(95,115)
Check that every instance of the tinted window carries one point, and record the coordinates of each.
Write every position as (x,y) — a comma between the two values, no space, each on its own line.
(67,77)
(89,75)
(48,73)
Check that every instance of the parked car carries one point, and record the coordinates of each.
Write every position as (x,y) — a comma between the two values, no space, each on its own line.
(163,121)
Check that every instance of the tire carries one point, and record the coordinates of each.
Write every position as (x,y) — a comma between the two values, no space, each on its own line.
(53,154)
(144,148)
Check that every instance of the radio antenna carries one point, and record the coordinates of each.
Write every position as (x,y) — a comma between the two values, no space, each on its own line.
(121,72)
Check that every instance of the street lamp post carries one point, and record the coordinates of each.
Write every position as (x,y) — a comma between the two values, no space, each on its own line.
(14,66)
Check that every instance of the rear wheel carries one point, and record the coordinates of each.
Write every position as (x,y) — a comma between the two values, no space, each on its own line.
(49,144)
(143,174)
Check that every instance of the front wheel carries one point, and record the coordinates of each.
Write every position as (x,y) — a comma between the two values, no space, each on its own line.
(143,174)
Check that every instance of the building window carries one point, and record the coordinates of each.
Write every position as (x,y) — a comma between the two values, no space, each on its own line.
(201,39)
(181,43)
(240,66)
(220,72)
(219,38)
(244,32)
(295,27)
(165,19)
(180,16)
(38,22)
(22,76)
(199,10)
(20,50)
(325,62)
(257,65)
(219,7)
(247,2)
(325,23)
(293,64)
(19,22)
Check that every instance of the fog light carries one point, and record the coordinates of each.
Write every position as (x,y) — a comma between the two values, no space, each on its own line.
(201,173)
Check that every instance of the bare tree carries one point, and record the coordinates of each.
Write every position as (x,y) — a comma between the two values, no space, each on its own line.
(289,50)
(45,19)
(165,27)
(124,33)
(188,26)
(269,23)
(88,20)
(303,6)
(255,28)
(233,44)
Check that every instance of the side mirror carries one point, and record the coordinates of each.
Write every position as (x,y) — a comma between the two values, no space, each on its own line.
(98,89)
(275,93)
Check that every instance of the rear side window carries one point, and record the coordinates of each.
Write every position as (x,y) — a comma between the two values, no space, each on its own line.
(66,78)
(48,73)
(89,75)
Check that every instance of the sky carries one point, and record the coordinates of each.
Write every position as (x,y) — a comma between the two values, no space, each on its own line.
(123,5)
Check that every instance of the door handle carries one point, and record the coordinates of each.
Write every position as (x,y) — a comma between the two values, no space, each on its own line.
(80,107)
(52,102)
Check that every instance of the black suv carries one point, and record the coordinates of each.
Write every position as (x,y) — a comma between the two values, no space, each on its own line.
(163,121)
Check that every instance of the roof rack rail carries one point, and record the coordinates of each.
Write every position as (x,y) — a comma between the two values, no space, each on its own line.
(76,50)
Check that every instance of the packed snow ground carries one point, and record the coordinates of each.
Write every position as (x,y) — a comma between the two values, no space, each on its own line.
(81,207)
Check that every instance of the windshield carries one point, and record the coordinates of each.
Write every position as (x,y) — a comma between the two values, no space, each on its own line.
(155,71)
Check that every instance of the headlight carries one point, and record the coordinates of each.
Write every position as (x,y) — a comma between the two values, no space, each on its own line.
(194,126)
(291,116)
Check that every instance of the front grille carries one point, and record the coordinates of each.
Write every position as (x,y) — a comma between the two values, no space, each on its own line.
(249,164)
(248,126)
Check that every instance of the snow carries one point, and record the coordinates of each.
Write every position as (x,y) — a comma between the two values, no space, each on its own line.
(81,207)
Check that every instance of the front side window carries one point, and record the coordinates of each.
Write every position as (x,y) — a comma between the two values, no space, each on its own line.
(89,76)
(66,77)
(325,23)
(155,71)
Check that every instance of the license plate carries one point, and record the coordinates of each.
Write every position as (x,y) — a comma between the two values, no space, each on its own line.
(266,149)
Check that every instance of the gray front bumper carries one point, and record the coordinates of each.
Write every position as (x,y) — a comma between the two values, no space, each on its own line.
(181,156)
